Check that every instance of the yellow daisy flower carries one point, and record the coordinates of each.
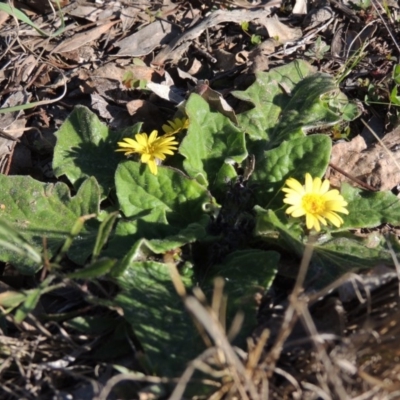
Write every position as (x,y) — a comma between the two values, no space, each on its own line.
(315,201)
(175,126)
(152,148)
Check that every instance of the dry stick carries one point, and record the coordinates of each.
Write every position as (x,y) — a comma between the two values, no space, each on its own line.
(332,376)
(305,262)
(255,355)
(297,307)
(187,375)
(354,179)
(349,276)
(236,324)
(36,103)
(214,329)
(317,390)
(384,23)
(290,316)
(217,297)
(301,42)
(208,322)
(128,377)
(358,36)
(290,379)
(346,10)
(6,135)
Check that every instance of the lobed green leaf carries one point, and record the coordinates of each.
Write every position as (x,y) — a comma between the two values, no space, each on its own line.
(211,142)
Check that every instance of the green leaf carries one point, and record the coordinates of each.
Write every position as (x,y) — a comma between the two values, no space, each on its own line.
(369,209)
(86,147)
(139,192)
(41,210)
(153,225)
(394,97)
(292,159)
(288,101)
(144,249)
(13,241)
(11,299)
(31,300)
(104,232)
(28,305)
(211,141)
(276,226)
(344,254)
(255,39)
(244,25)
(246,273)
(396,74)
(158,318)
(332,256)
(92,325)
(269,94)
(96,269)
(190,234)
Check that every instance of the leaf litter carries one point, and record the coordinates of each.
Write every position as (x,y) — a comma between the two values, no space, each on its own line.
(132,63)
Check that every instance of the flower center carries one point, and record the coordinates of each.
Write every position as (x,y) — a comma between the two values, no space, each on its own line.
(313,203)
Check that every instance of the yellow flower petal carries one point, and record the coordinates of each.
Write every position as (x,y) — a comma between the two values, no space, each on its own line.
(312,222)
(336,219)
(297,212)
(153,136)
(141,140)
(314,200)
(309,183)
(153,166)
(325,186)
(145,158)
(316,184)
(295,185)
(150,147)
(175,126)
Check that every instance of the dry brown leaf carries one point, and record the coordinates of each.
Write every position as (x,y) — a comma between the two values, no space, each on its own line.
(128,17)
(142,107)
(375,165)
(215,100)
(82,55)
(166,92)
(242,57)
(15,99)
(179,45)
(96,12)
(112,71)
(225,59)
(259,57)
(347,42)
(83,38)
(196,67)
(300,8)
(318,16)
(147,39)
(100,104)
(26,67)
(11,128)
(281,32)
